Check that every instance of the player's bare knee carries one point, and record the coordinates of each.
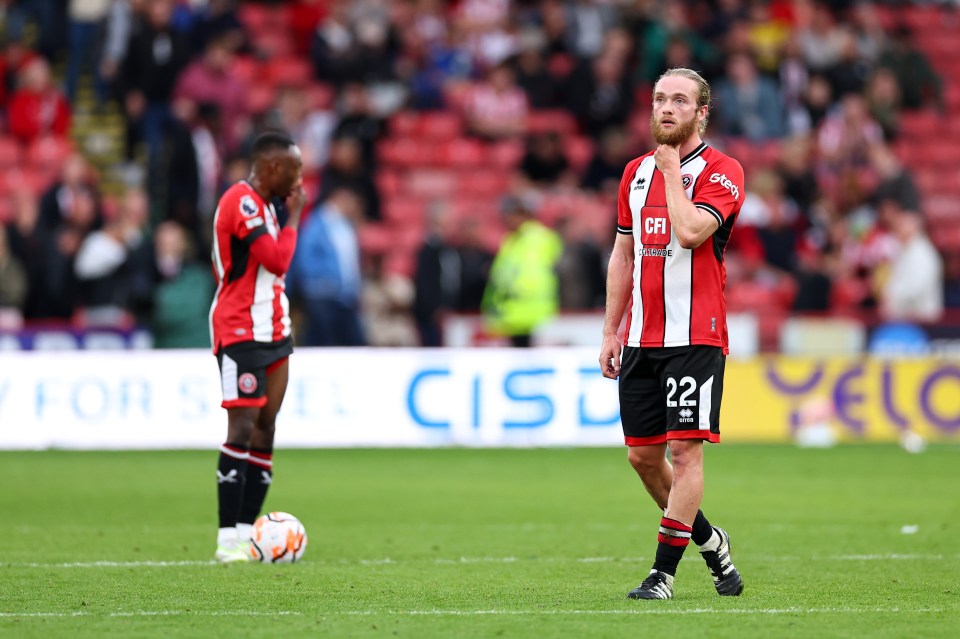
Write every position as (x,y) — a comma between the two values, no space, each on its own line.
(685,455)
(643,462)
(267,426)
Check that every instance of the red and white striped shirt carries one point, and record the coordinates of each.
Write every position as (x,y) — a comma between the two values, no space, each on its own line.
(250,258)
(677,297)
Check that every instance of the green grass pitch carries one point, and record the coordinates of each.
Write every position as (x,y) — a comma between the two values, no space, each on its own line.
(482,543)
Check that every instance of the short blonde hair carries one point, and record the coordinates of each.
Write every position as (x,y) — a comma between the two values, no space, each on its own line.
(703,89)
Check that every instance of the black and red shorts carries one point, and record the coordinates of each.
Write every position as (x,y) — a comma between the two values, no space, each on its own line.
(670,393)
(244,368)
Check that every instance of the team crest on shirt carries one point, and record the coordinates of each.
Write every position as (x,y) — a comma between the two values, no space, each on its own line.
(687,181)
(247,383)
(248,208)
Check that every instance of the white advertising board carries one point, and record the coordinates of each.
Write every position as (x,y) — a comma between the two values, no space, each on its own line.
(336,397)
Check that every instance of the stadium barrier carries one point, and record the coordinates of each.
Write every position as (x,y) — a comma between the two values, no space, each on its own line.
(451,397)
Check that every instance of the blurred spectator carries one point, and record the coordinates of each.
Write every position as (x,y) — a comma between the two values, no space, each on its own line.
(14,58)
(847,134)
(437,278)
(656,35)
(174,185)
(13,277)
(309,128)
(386,302)
(37,107)
(605,169)
(116,38)
(896,183)
(156,54)
(883,98)
(822,40)
(580,269)
(87,18)
(334,50)
(475,262)
(600,94)
(218,21)
(868,31)
(345,170)
(59,248)
(793,78)
(913,288)
(209,80)
(851,72)
(951,295)
(114,266)
(27,244)
(799,181)
(815,277)
(183,290)
(357,120)
(544,163)
(485,29)
(445,67)
(73,190)
(496,108)
(767,36)
(325,273)
(748,104)
(523,291)
(587,25)
(305,17)
(817,101)
(774,216)
(919,84)
(531,72)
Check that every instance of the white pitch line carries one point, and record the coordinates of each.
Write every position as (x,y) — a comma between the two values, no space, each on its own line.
(637,611)
(158,613)
(387,561)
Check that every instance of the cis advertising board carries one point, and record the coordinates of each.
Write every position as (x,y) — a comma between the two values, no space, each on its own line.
(448,397)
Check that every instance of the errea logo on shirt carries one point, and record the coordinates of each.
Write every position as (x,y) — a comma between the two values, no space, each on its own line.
(726,183)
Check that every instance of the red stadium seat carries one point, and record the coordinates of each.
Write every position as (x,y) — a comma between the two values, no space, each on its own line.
(485,183)
(942,208)
(921,125)
(551,121)
(463,153)
(260,97)
(289,71)
(407,152)
(320,96)
(11,155)
(579,152)
(405,124)
(506,154)
(440,125)
(245,68)
(375,238)
(48,153)
(404,210)
(431,183)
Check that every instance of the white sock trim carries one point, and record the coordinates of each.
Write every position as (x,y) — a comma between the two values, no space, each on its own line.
(227,536)
(711,544)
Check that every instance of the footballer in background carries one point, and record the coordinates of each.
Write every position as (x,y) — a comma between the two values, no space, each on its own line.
(250,330)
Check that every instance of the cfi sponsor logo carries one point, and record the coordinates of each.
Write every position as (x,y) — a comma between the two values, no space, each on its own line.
(724,181)
(247,383)
(248,208)
(687,180)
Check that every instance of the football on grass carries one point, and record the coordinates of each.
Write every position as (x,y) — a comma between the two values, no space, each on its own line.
(278,538)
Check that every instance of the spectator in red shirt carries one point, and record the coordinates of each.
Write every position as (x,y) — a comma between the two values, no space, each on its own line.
(37,107)
(497,108)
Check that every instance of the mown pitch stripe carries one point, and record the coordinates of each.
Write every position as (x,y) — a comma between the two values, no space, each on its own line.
(387,561)
(638,611)
(476,613)
(158,613)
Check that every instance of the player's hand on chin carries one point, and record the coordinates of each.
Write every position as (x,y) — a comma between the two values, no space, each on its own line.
(667,157)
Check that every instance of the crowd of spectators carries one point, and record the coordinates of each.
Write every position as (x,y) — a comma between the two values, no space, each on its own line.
(810,96)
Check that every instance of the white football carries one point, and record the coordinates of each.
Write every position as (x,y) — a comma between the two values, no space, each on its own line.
(278,538)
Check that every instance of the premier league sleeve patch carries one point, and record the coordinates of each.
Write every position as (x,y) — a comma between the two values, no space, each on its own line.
(248,208)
